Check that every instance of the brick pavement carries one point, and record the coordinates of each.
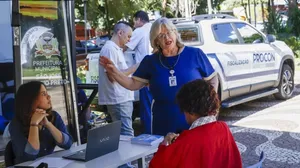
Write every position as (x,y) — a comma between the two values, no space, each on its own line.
(268,125)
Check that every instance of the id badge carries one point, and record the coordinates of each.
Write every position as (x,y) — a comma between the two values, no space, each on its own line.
(172,81)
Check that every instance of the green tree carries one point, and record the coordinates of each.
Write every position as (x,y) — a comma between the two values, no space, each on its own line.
(202,6)
(216,4)
(106,12)
(159,5)
(274,24)
(294,21)
(94,11)
(230,4)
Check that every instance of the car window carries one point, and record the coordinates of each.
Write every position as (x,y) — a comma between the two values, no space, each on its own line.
(224,33)
(249,34)
(189,34)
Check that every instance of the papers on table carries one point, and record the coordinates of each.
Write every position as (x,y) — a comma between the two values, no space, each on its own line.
(52,162)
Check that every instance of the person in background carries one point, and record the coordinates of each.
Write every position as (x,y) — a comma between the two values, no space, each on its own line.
(169,67)
(207,143)
(36,129)
(117,99)
(140,43)
(140,39)
(98,37)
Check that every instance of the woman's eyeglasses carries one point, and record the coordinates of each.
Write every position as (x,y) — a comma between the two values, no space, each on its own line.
(164,35)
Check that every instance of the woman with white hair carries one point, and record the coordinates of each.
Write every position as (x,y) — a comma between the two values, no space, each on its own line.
(169,67)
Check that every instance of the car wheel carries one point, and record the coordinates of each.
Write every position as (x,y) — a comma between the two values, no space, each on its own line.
(286,84)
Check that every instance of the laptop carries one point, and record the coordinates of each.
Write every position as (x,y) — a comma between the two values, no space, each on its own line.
(100,141)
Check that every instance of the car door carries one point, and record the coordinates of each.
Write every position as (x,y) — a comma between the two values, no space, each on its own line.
(234,59)
(264,59)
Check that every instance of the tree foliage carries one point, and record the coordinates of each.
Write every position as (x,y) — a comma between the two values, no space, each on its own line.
(104,13)
(294,21)
(179,6)
(94,11)
(202,7)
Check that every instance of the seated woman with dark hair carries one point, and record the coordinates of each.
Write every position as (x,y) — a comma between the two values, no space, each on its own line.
(35,129)
(208,143)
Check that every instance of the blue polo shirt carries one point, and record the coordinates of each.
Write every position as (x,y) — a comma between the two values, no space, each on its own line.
(189,65)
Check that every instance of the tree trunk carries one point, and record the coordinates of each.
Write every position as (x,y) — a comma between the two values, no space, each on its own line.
(245,8)
(271,18)
(107,17)
(249,7)
(270,22)
(254,13)
(164,6)
(177,8)
(262,11)
(292,5)
(273,12)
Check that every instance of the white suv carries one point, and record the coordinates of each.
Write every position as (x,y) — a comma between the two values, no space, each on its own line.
(249,63)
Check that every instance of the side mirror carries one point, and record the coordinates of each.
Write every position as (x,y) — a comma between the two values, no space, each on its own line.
(271,38)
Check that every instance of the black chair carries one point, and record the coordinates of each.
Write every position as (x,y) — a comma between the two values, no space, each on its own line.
(9,155)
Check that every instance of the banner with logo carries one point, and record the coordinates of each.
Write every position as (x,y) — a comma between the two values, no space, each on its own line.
(44,54)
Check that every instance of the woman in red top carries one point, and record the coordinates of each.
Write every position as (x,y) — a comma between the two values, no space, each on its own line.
(208,143)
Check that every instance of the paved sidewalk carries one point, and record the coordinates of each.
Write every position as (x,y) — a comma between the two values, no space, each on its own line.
(268,125)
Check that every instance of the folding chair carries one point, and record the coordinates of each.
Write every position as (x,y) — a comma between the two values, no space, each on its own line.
(9,155)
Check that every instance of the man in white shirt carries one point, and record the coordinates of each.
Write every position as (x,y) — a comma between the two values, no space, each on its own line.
(140,43)
(117,98)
